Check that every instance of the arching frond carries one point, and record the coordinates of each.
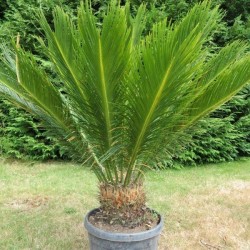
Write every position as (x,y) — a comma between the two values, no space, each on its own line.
(169,61)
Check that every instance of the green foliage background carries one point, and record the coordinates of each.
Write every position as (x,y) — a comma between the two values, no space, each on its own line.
(223,136)
(21,136)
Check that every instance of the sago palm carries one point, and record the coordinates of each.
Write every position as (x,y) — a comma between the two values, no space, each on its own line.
(124,99)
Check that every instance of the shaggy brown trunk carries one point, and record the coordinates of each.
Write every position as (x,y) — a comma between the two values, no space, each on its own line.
(123,205)
(120,197)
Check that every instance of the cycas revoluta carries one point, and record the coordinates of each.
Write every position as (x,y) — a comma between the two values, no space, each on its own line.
(127,99)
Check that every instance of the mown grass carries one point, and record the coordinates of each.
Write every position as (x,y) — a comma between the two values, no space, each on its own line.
(42,205)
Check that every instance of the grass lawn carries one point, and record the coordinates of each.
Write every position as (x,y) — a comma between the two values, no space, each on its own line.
(42,205)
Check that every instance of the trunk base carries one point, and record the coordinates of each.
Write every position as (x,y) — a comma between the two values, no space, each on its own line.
(120,197)
(123,206)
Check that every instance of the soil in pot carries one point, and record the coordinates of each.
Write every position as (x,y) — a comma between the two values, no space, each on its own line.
(125,221)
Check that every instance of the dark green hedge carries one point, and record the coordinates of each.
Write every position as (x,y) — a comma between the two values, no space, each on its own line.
(223,136)
(22,137)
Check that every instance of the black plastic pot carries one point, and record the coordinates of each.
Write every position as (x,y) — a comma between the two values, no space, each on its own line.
(102,240)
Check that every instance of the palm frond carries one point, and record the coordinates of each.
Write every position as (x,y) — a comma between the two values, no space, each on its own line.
(137,24)
(220,88)
(33,91)
(93,65)
(9,85)
(168,62)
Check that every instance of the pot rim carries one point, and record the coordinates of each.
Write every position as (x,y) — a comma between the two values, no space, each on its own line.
(122,237)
